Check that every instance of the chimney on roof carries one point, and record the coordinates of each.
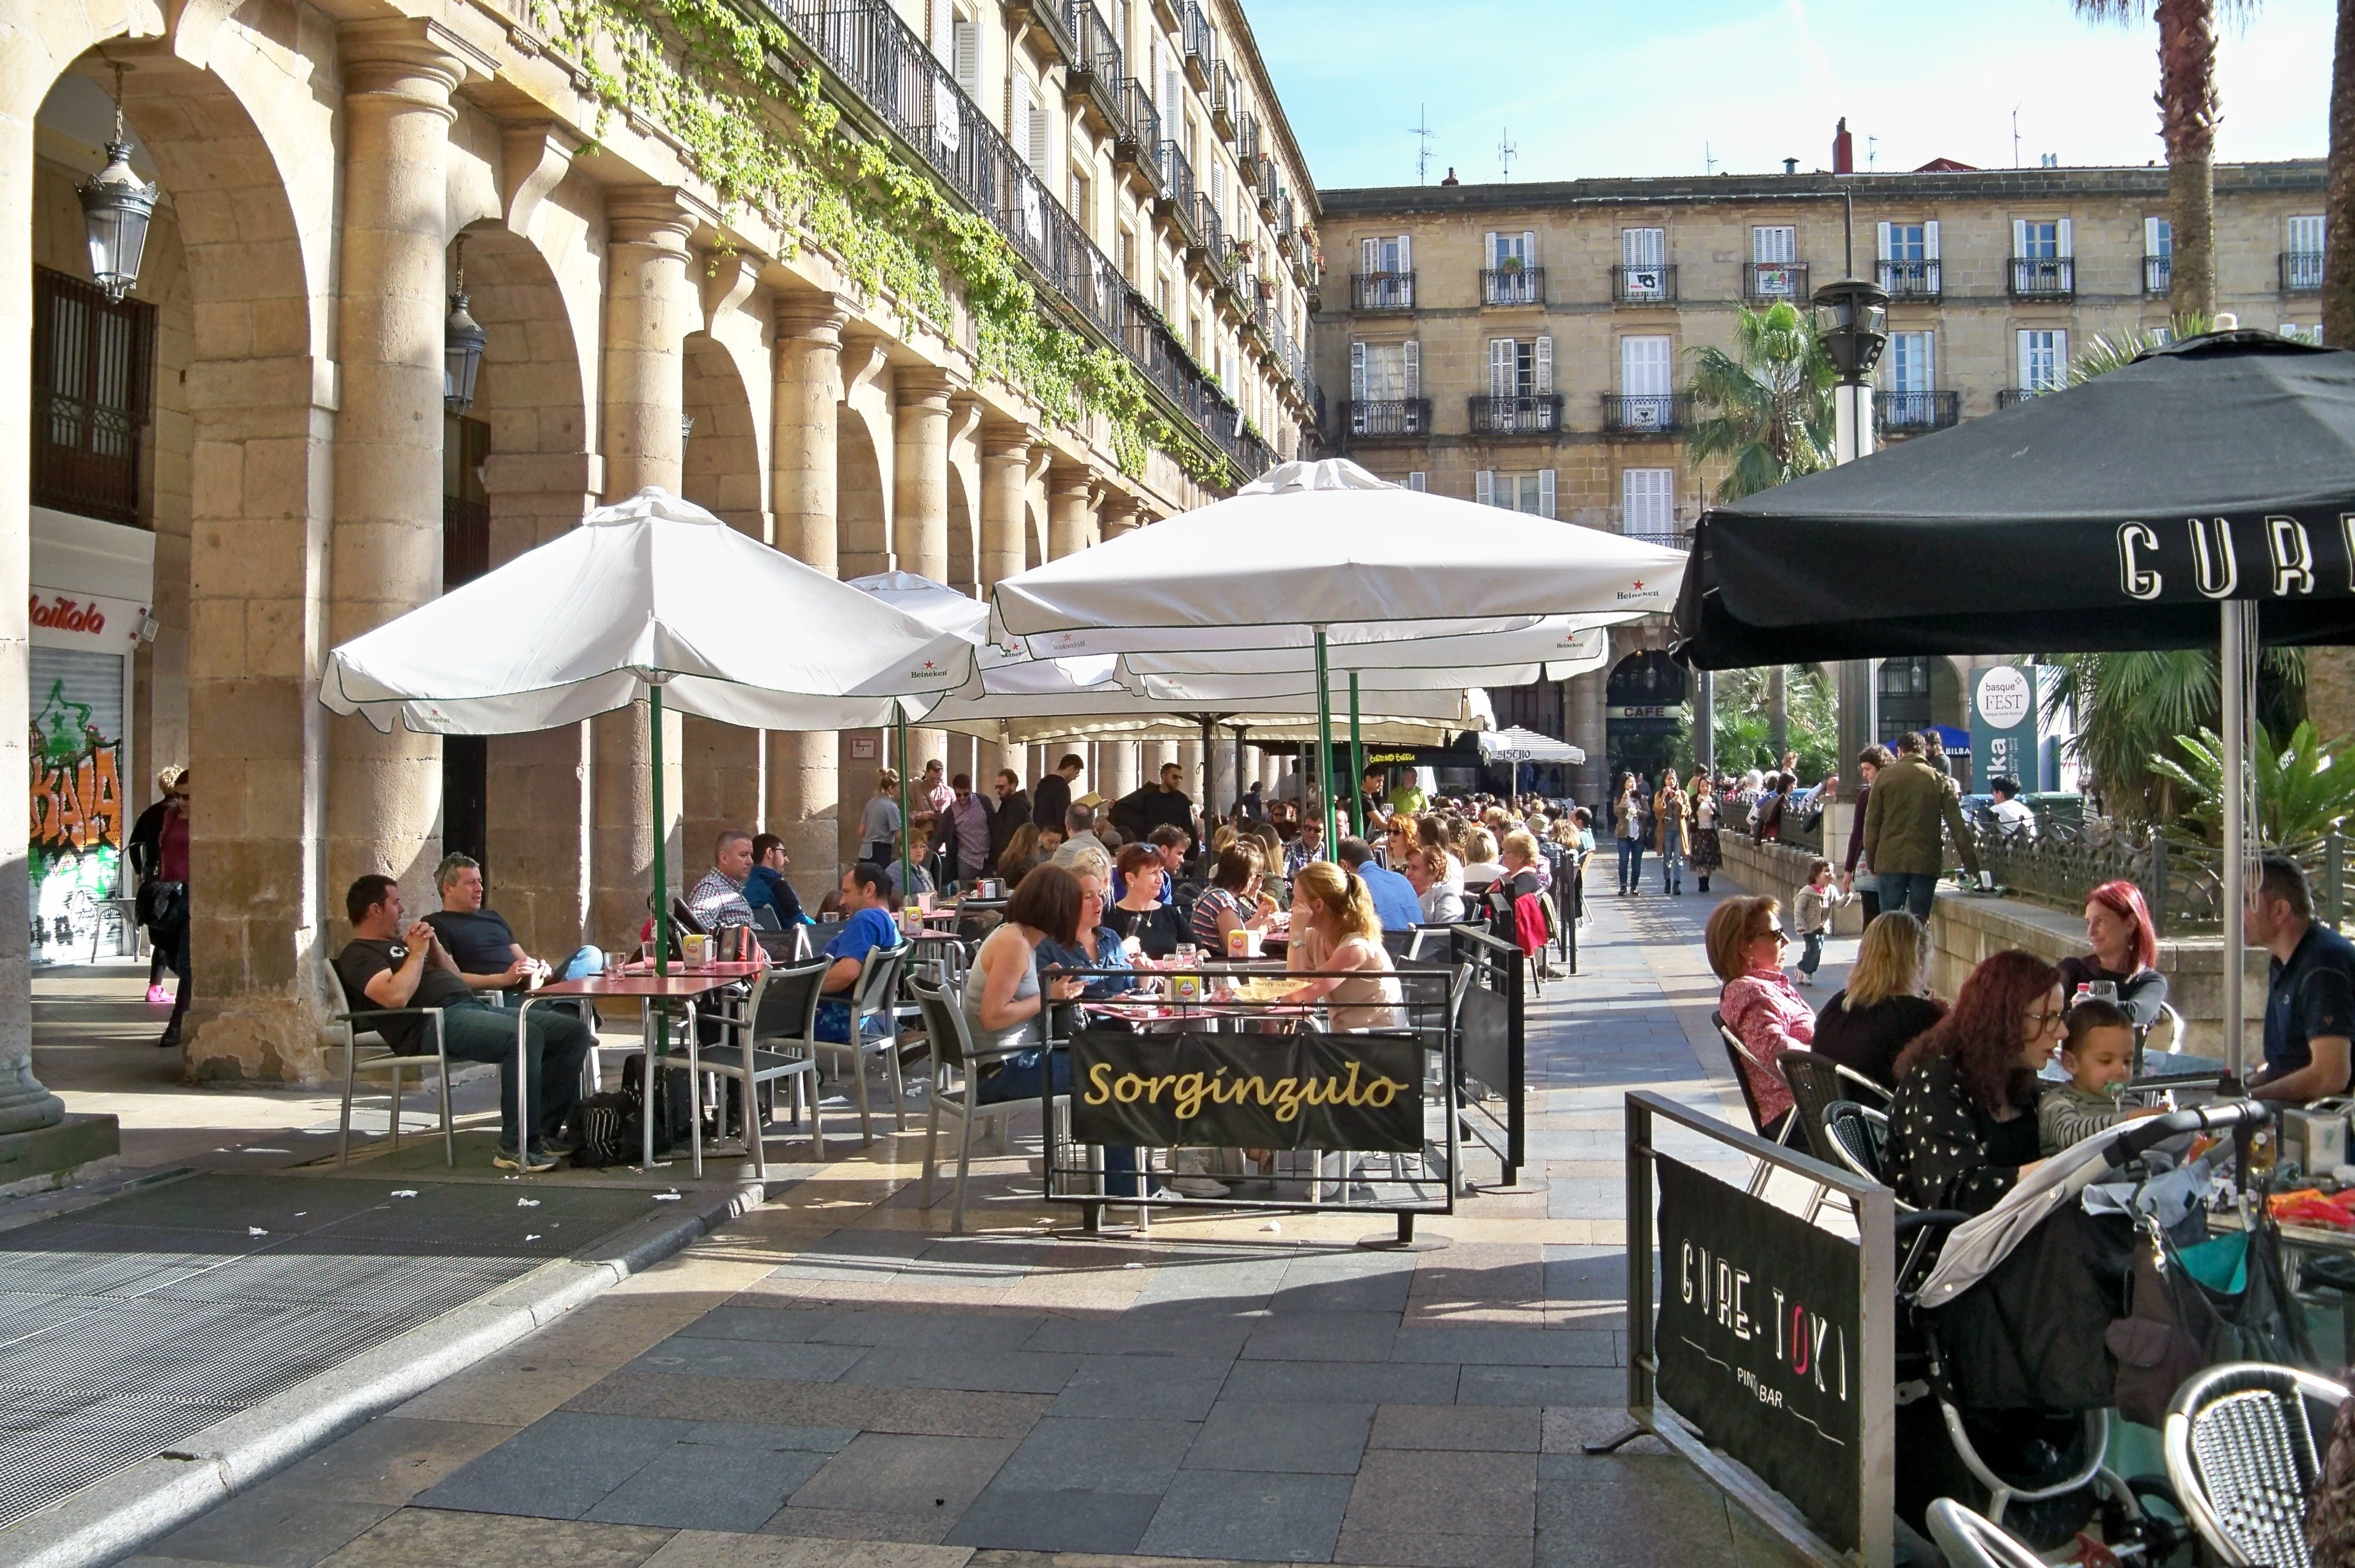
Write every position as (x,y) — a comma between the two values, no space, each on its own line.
(1451,179)
(1843,149)
(1790,166)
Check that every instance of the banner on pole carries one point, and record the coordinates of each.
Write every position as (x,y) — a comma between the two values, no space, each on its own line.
(1248,1091)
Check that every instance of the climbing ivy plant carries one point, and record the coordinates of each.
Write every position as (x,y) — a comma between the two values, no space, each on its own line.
(707,73)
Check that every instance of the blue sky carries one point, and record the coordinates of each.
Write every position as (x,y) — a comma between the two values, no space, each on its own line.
(1651,87)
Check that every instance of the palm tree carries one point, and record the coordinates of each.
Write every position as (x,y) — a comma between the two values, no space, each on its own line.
(2337,259)
(2187,125)
(1766,408)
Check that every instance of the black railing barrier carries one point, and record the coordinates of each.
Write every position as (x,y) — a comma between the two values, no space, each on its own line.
(1768,1357)
(1358,1120)
(1492,1056)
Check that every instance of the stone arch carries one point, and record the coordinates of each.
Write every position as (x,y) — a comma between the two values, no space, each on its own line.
(862,512)
(1034,534)
(965,535)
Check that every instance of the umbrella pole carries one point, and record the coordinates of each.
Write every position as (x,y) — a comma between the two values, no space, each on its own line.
(907,833)
(1357,763)
(2233,660)
(662,856)
(1324,739)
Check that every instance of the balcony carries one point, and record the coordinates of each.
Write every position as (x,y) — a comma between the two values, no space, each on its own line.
(1271,189)
(1648,285)
(1912,280)
(1049,17)
(1096,66)
(1226,101)
(1387,420)
(1529,414)
(2043,277)
(2012,396)
(1513,286)
(1905,413)
(1177,183)
(1382,290)
(1136,129)
(1773,282)
(1647,413)
(2301,271)
(2157,274)
(1247,138)
(1201,46)
(1209,247)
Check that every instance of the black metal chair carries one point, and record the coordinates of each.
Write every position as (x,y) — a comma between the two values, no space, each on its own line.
(1816,1081)
(875,994)
(2241,1456)
(1738,1055)
(953,1057)
(1858,1137)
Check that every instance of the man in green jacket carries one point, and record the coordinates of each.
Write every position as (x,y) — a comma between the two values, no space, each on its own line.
(1911,807)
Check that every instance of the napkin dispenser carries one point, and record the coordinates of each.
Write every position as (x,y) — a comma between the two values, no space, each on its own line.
(2316,1136)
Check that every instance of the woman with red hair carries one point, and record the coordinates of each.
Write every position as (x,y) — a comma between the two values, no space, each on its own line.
(2125,946)
(1963,1132)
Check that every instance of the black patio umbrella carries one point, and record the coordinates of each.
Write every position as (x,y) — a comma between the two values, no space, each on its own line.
(2112,516)
(2203,495)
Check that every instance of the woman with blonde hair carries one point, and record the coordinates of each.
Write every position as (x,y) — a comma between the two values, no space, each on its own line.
(878,824)
(1885,1005)
(1671,823)
(1334,928)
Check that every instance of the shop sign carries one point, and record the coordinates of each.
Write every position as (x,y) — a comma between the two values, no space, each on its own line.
(1247,1091)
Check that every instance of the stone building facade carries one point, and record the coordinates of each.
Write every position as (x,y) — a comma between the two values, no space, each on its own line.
(834,274)
(1530,346)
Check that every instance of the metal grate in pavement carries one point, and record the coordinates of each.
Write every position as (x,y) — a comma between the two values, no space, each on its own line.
(127,1327)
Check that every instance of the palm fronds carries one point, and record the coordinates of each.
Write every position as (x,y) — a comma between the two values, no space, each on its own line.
(1766,408)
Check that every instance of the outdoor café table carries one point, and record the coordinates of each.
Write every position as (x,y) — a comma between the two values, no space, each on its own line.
(682,985)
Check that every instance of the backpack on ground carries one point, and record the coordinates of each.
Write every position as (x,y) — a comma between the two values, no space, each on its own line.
(605,1127)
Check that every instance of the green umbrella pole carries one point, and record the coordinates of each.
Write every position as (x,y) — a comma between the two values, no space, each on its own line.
(1325,740)
(907,832)
(662,858)
(1357,763)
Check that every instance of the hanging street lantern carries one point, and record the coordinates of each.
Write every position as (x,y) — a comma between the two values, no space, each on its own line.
(461,343)
(116,207)
(1851,315)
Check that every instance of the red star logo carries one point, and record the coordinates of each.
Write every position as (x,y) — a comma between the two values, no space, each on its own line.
(927,664)
(1639,585)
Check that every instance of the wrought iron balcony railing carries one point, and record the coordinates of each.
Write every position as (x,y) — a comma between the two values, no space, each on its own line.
(1226,100)
(1096,65)
(1647,413)
(1513,286)
(2157,274)
(1647,285)
(1386,418)
(1201,46)
(1209,232)
(2043,277)
(1524,414)
(2301,271)
(2012,396)
(1911,280)
(1137,128)
(1767,282)
(1906,412)
(1382,290)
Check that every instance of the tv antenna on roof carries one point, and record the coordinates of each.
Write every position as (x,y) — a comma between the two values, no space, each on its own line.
(1423,135)
(1708,160)
(1507,152)
(1872,151)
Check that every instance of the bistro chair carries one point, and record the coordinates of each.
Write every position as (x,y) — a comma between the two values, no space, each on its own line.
(875,994)
(1969,1540)
(782,1008)
(1858,1137)
(1738,1055)
(361,1034)
(953,1057)
(2241,1455)
(1816,1081)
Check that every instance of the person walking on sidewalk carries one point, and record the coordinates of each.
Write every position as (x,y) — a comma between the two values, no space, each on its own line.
(1707,815)
(1913,807)
(170,902)
(1812,913)
(1672,819)
(1627,821)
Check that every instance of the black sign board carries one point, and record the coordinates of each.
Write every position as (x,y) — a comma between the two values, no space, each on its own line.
(1248,1091)
(1757,1338)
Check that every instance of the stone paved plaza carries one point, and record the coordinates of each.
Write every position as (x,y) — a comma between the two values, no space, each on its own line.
(831,1378)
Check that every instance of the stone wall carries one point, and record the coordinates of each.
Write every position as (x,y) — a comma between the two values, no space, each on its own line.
(1781,871)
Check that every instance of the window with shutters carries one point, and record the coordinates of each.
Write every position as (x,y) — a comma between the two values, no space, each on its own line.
(1385,279)
(1033,142)
(1528,492)
(1774,273)
(91,364)
(1127,252)
(2157,255)
(965,56)
(1520,399)
(2301,263)
(1646,403)
(1644,276)
(1909,362)
(2043,359)
(1512,276)
(1909,260)
(1647,503)
(2042,263)
(1082,202)
(1385,390)
(1909,398)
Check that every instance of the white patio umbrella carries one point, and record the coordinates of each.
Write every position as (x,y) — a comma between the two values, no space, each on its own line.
(1325,556)
(1516,745)
(653,598)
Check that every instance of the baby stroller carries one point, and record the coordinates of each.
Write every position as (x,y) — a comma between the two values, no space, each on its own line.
(2005,1378)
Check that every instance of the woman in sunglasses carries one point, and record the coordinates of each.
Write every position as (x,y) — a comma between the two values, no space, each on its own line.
(1745,938)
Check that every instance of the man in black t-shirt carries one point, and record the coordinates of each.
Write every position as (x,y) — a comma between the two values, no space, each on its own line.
(479,940)
(394,965)
(2310,997)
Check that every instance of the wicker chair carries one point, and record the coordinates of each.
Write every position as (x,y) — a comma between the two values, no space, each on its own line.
(2241,1455)
(1858,1137)
(1816,1081)
(1968,1540)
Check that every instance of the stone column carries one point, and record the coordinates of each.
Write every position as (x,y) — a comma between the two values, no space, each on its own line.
(1005,469)
(805,768)
(538,794)
(1189,757)
(650,307)
(1070,517)
(384,791)
(1119,515)
(25,1105)
(1120,768)
(1582,700)
(920,506)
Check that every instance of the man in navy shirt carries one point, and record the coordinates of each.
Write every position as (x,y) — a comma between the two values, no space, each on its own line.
(1395,903)
(866,925)
(2309,992)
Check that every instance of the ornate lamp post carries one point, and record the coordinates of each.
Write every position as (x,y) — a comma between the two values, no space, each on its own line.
(461,343)
(116,207)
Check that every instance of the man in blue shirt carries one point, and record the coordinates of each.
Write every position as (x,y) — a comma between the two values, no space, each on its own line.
(1395,903)
(866,925)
